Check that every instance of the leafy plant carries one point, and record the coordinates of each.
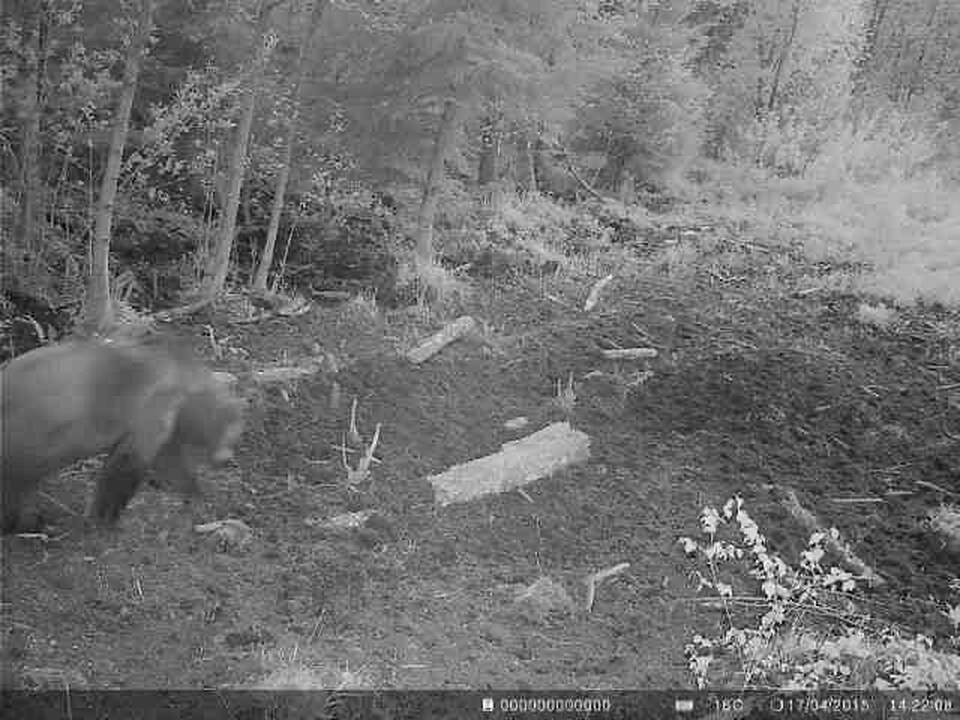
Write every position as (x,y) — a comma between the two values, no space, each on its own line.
(804,629)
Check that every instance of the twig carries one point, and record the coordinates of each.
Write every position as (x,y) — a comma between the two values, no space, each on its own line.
(50,498)
(596,578)
(859,500)
(594,297)
(933,486)
(720,603)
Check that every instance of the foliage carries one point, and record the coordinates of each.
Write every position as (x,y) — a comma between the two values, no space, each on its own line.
(786,77)
(914,58)
(180,159)
(809,633)
(879,190)
(523,62)
(646,114)
(848,99)
(77,83)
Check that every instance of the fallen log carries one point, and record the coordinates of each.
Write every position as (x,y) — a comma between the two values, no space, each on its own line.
(637,353)
(518,463)
(434,344)
(285,374)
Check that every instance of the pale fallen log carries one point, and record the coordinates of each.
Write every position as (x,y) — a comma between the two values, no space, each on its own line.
(518,463)
(594,297)
(857,501)
(231,531)
(791,502)
(516,423)
(457,329)
(629,353)
(326,363)
(283,374)
(344,521)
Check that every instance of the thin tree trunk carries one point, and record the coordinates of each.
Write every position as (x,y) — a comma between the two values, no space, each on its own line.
(782,57)
(488,167)
(540,153)
(528,175)
(98,310)
(30,99)
(872,33)
(626,187)
(868,63)
(218,263)
(309,20)
(431,189)
(915,88)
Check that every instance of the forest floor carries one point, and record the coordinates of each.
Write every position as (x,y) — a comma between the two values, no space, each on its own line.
(763,377)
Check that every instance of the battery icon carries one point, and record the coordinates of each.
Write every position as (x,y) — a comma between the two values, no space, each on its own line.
(683,705)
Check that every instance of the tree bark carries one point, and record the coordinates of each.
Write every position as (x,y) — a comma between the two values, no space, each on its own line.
(540,155)
(309,19)
(31,100)
(528,174)
(98,310)
(488,167)
(431,189)
(218,263)
(781,59)
(915,86)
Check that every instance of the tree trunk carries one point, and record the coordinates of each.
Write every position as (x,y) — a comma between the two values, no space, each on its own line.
(781,59)
(310,18)
(528,167)
(431,189)
(29,90)
(868,55)
(626,187)
(916,86)
(218,263)
(540,155)
(487,169)
(98,310)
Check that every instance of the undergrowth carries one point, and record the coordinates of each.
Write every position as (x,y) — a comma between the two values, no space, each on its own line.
(803,629)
